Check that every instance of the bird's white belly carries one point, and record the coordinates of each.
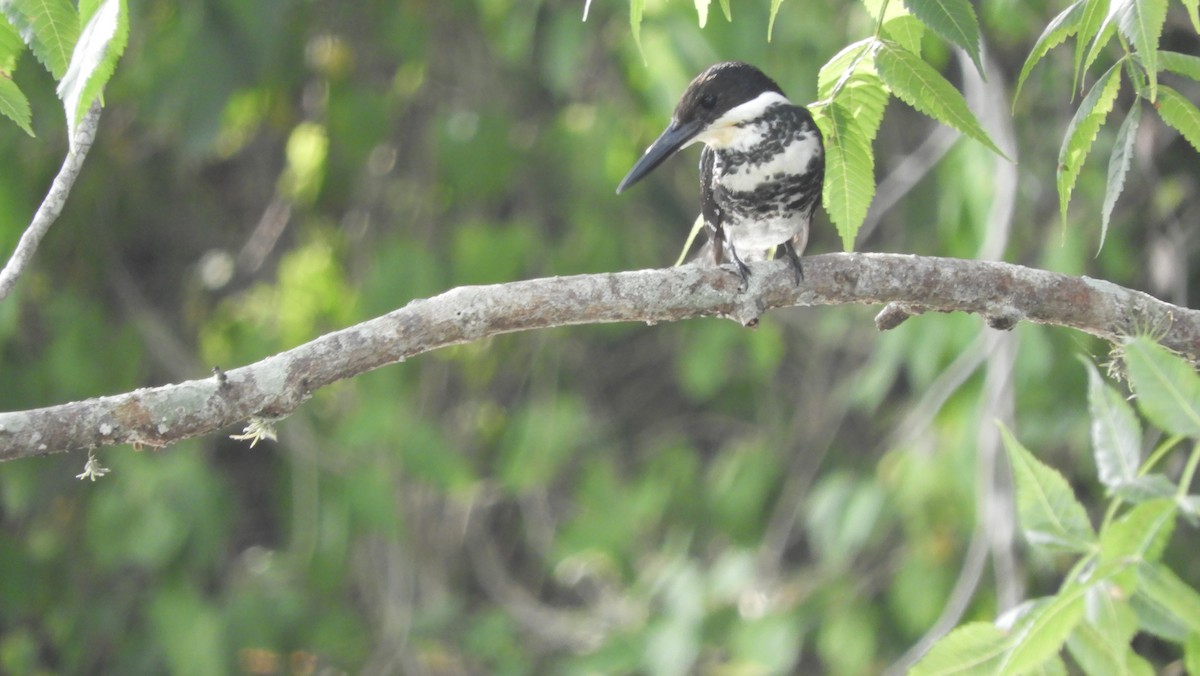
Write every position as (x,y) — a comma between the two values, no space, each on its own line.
(754,238)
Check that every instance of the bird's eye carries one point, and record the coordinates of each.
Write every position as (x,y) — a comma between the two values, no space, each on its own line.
(708,101)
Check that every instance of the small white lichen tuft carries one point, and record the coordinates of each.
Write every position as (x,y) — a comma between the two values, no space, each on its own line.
(163,428)
(92,469)
(256,430)
(106,429)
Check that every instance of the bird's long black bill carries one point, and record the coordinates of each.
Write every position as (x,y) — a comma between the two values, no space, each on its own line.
(672,139)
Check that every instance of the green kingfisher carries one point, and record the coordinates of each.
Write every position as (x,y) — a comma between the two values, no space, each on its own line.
(761,170)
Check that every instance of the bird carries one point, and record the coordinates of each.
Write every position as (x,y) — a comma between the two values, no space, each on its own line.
(762,168)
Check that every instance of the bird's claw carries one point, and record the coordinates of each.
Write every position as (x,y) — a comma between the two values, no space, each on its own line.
(794,262)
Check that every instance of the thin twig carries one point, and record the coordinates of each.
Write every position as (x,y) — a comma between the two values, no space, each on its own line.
(52,206)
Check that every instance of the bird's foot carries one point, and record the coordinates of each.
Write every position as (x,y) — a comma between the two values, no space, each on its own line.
(794,262)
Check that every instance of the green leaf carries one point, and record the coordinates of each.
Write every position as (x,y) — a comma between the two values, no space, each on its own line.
(1142,534)
(49,27)
(11,48)
(702,11)
(954,21)
(1107,30)
(1193,10)
(1099,656)
(1180,64)
(1154,619)
(1141,23)
(973,648)
(1081,133)
(907,30)
(1091,20)
(865,97)
(1191,647)
(1059,29)
(883,11)
(1049,514)
(1163,589)
(923,88)
(1146,487)
(1116,434)
(853,59)
(1180,113)
(636,7)
(101,43)
(1054,666)
(849,171)
(1107,611)
(726,11)
(1167,387)
(771,21)
(14,105)
(1118,166)
(1041,633)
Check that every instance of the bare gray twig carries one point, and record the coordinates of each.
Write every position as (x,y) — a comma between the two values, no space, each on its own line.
(53,204)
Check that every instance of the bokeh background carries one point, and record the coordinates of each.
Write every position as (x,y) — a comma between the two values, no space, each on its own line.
(807,497)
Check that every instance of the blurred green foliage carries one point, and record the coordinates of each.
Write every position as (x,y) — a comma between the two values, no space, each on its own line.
(613,499)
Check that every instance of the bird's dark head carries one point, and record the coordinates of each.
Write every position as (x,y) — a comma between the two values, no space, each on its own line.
(711,108)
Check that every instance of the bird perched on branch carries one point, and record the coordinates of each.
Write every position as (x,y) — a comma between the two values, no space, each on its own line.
(762,167)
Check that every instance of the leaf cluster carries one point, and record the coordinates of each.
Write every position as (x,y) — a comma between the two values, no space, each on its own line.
(79,47)
(1120,585)
(1137,26)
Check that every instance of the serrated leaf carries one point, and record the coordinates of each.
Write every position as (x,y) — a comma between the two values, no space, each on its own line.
(1154,619)
(93,61)
(1116,433)
(1091,19)
(49,27)
(1081,133)
(1047,510)
(1162,587)
(849,172)
(14,105)
(1141,23)
(907,31)
(1180,113)
(920,86)
(954,21)
(1144,488)
(1042,632)
(771,21)
(973,648)
(1107,30)
(1180,64)
(1167,387)
(1059,29)
(702,11)
(11,48)
(865,97)
(1118,167)
(853,59)
(1142,534)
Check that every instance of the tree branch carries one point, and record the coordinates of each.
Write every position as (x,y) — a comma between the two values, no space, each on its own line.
(274,387)
(53,204)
